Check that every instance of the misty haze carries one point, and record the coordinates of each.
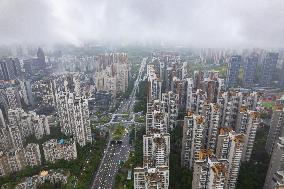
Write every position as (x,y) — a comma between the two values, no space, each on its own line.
(132,94)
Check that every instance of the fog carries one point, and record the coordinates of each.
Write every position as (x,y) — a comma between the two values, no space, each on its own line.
(195,23)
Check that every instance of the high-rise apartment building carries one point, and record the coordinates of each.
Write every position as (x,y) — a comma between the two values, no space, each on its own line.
(189,94)
(156,149)
(160,118)
(281,79)
(148,178)
(230,146)
(230,104)
(199,98)
(247,124)
(276,166)
(156,118)
(74,117)
(209,172)
(276,129)
(43,91)
(10,68)
(193,139)
(13,98)
(14,129)
(212,114)
(28,123)
(113,74)
(59,149)
(154,90)
(15,160)
(32,154)
(170,106)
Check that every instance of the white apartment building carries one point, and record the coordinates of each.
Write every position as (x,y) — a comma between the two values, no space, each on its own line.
(210,173)
(74,117)
(189,96)
(156,118)
(59,149)
(156,150)
(213,120)
(148,178)
(276,165)
(114,78)
(79,116)
(154,90)
(193,139)
(230,103)
(170,106)
(13,98)
(161,116)
(247,124)
(63,112)
(4,165)
(199,99)
(106,82)
(16,136)
(16,159)
(28,123)
(276,129)
(230,146)
(32,154)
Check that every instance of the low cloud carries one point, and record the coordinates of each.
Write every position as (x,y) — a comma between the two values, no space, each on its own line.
(207,23)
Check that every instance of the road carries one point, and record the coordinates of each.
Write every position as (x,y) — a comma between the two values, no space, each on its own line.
(129,104)
(115,153)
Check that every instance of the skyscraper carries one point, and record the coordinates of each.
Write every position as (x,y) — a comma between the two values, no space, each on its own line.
(233,71)
(41,58)
(249,76)
(268,69)
(281,79)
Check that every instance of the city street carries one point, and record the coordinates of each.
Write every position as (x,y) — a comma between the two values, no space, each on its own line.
(116,153)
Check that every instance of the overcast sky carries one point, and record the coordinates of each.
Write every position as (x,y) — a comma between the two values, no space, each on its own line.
(199,23)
